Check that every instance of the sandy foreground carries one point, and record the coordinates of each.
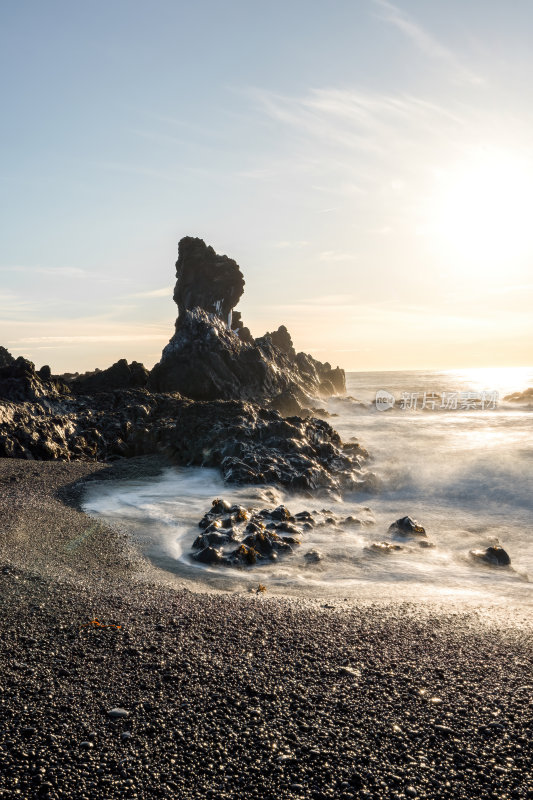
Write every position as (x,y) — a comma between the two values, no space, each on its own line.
(226,695)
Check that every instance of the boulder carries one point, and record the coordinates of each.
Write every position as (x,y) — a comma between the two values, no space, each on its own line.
(407,527)
(494,556)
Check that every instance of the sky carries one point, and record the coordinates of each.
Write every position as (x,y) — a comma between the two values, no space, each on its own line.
(368,164)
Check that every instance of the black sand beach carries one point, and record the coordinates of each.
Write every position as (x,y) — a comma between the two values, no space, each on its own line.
(232,695)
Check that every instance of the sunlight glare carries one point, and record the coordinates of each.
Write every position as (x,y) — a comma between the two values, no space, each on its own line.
(485,208)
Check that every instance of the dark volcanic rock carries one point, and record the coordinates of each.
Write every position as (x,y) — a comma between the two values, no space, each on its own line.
(255,445)
(120,375)
(206,280)
(407,527)
(213,356)
(247,443)
(282,339)
(6,359)
(494,556)
(237,536)
(19,382)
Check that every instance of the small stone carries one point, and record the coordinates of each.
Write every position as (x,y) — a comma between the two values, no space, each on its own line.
(351,671)
(86,745)
(125,735)
(118,713)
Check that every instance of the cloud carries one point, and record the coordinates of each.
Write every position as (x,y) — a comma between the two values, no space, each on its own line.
(426,42)
(62,272)
(61,340)
(165,292)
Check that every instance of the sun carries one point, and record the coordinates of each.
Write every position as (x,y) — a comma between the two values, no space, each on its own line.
(484,209)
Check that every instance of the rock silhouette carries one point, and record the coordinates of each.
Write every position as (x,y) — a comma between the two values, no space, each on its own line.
(212,356)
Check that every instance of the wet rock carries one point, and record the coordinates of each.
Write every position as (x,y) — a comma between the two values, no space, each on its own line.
(494,555)
(406,526)
(386,548)
(257,536)
(209,555)
(313,556)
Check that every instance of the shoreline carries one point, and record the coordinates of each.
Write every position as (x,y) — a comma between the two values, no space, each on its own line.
(236,695)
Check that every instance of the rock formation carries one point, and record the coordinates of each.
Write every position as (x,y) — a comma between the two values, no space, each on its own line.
(206,280)
(120,375)
(6,359)
(217,398)
(213,356)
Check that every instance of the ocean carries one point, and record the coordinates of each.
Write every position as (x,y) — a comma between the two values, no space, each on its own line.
(448,451)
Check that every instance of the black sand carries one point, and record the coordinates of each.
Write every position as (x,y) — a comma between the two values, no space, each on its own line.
(236,696)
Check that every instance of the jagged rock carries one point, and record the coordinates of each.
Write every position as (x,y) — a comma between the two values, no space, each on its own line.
(251,444)
(407,527)
(6,359)
(213,356)
(282,339)
(206,280)
(19,383)
(248,536)
(120,375)
(239,328)
(288,404)
(247,443)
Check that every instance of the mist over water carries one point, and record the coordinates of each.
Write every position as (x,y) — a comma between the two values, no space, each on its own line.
(465,474)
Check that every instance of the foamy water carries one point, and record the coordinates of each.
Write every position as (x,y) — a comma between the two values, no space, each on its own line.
(466,474)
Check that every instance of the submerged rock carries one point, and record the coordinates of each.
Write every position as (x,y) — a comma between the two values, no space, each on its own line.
(494,555)
(385,548)
(407,527)
(245,537)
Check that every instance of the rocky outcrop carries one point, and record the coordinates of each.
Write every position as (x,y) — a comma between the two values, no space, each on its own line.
(120,375)
(213,356)
(6,359)
(243,537)
(44,420)
(19,383)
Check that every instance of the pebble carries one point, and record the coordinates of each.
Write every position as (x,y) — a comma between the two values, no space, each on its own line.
(118,713)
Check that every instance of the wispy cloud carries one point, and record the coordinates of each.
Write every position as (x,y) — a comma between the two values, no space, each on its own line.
(426,42)
(62,272)
(50,340)
(165,292)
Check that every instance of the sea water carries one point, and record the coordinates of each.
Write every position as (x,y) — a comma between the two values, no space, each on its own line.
(449,452)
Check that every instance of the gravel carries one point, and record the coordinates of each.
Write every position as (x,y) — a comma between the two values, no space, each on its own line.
(237,696)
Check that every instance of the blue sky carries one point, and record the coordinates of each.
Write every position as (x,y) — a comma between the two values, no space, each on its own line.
(368,164)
